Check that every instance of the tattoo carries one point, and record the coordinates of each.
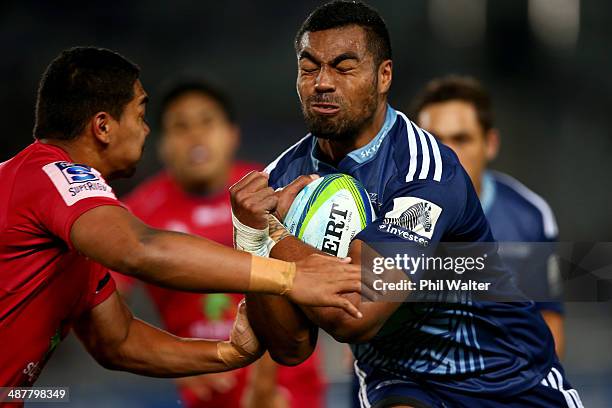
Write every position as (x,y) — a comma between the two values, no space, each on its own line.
(277,229)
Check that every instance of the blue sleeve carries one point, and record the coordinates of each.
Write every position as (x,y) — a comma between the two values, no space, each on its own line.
(419,215)
(544,278)
(549,271)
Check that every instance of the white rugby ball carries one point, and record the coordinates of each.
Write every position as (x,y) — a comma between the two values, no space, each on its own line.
(329,212)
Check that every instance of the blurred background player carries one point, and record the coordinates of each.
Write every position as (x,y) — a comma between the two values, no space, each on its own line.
(199,139)
(458,111)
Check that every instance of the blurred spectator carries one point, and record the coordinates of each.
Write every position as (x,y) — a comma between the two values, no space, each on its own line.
(458,111)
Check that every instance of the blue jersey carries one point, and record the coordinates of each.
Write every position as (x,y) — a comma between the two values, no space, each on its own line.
(479,347)
(517,214)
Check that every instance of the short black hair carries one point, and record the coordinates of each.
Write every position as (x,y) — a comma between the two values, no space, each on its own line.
(342,13)
(178,89)
(77,84)
(455,87)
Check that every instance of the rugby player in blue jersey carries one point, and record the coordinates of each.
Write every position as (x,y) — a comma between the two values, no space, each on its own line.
(459,354)
(458,111)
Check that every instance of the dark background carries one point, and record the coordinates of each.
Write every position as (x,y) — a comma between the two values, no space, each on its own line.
(546,62)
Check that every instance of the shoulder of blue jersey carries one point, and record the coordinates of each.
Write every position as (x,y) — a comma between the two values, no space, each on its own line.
(417,155)
(425,160)
(286,155)
(522,193)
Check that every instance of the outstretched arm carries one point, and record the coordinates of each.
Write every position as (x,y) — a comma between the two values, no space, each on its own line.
(119,341)
(115,238)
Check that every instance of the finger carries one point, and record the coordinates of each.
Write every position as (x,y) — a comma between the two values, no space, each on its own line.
(293,188)
(244,180)
(348,286)
(263,193)
(369,294)
(254,181)
(350,269)
(259,203)
(258,182)
(348,307)
(347,260)
(268,204)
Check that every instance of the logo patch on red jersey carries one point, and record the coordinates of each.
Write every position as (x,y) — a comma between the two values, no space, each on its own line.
(77,181)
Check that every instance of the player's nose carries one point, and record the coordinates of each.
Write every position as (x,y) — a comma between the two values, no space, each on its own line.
(325,81)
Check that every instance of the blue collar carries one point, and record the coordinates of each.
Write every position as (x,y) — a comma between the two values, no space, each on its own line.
(487,193)
(367,152)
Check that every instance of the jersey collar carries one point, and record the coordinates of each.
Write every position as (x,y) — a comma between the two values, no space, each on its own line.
(363,154)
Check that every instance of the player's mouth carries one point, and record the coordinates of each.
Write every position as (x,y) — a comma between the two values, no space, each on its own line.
(198,155)
(325,108)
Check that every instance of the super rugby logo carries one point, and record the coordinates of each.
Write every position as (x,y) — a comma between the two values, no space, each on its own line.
(414,214)
(77,173)
(76,181)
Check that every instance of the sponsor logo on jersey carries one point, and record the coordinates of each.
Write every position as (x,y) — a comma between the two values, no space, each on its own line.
(414,214)
(33,368)
(403,234)
(77,181)
(32,371)
(370,151)
(77,173)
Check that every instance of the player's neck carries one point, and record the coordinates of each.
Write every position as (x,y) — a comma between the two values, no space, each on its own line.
(80,153)
(335,150)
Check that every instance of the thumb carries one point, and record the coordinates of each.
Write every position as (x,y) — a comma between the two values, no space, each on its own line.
(298,184)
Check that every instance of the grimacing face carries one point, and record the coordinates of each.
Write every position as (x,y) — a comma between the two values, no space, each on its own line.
(455,123)
(337,82)
(198,141)
(130,133)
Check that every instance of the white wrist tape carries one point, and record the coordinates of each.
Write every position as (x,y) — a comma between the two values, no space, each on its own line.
(255,241)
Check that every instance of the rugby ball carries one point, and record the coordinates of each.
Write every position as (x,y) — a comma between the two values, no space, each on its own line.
(329,212)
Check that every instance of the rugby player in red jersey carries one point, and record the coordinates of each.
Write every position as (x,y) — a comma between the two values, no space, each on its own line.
(61,227)
(199,138)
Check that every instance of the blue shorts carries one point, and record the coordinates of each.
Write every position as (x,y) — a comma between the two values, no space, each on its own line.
(379,390)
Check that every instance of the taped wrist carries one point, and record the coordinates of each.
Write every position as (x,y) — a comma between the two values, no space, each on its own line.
(255,241)
(231,356)
(271,275)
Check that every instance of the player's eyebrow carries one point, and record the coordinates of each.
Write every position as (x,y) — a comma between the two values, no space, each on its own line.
(307,55)
(344,56)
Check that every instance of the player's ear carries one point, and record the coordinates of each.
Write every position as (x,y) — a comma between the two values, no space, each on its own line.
(493,142)
(101,126)
(385,76)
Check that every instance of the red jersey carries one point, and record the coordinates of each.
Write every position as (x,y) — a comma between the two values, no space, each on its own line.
(44,283)
(161,203)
